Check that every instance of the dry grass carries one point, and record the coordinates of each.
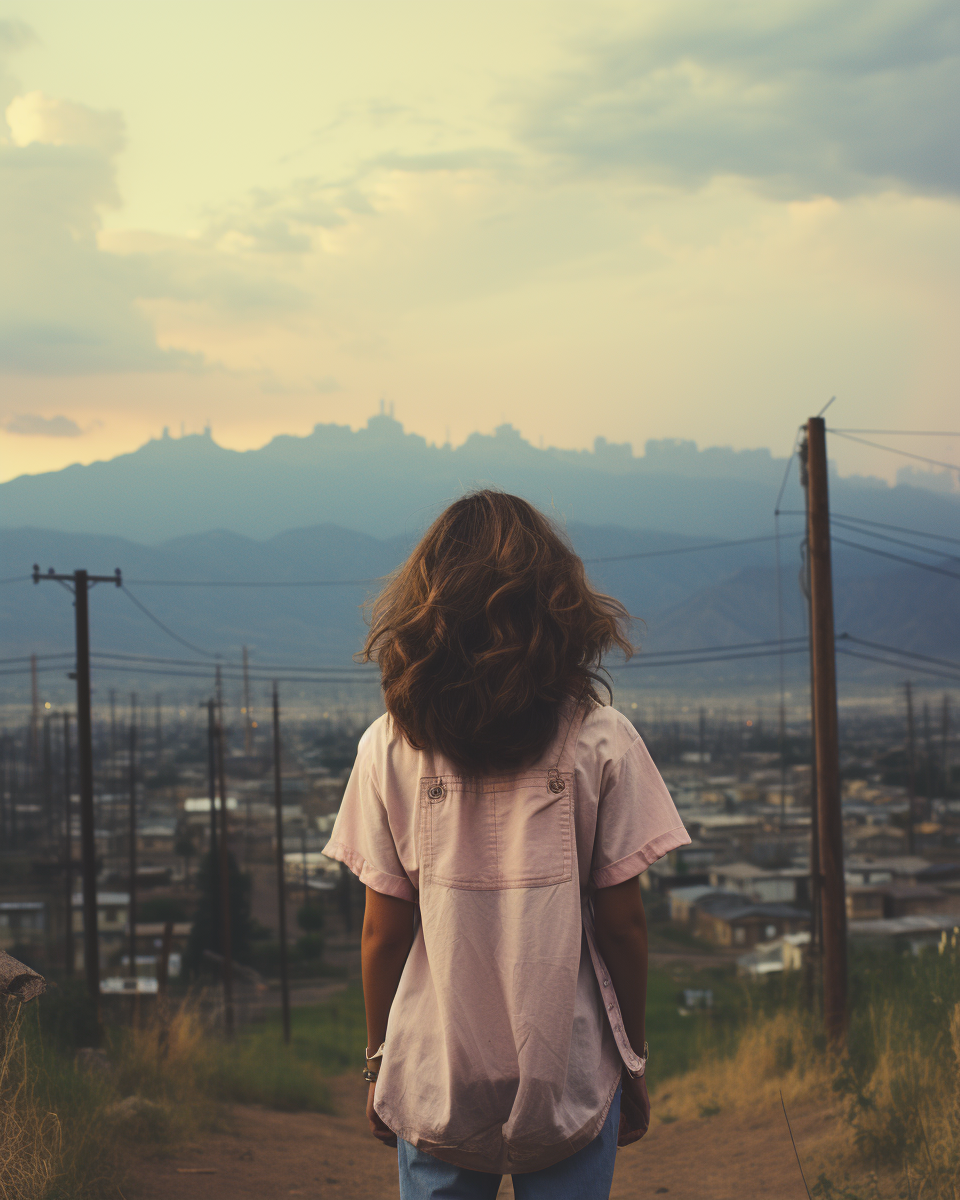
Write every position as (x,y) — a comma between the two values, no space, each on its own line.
(895,1096)
(775,1054)
(29,1135)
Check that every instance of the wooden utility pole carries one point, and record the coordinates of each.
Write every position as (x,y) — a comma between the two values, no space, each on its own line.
(67,847)
(212,780)
(945,746)
(247,715)
(826,734)
(132,831)
(281,880)
(33,753)
(226,945)
(82,581)
(911,771)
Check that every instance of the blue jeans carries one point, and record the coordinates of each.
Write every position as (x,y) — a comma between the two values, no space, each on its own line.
(586,1175)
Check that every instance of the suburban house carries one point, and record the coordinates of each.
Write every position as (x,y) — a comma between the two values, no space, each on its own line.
(730,920)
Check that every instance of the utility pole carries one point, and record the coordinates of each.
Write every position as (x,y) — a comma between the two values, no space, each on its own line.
(34,749)
(82,581)
(226,947)
(911,771)
(945,745)
(212,781)
(47,776)
(67,846)
(281,880)
(816,941)
(826,734)
(114,773)
(247,715)
(159,728)
(132,831)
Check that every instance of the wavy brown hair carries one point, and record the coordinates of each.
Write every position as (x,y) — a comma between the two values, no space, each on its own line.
(485,630)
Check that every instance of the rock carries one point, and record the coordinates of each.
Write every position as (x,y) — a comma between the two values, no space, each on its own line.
(132,1106)
(18,980)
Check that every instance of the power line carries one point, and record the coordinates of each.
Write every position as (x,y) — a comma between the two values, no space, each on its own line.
(902,432)
(266,678)
(160,625)
(732,646)
(688,662)
(898,558)
(786,475)
(885,537)
(262,583)
(767,537)
(893,450)
(955,678)
(17,579)
(189,662)
(39,657)
(941,537)
(912,654)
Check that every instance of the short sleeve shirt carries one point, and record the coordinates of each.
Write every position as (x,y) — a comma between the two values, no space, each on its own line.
(504,1044)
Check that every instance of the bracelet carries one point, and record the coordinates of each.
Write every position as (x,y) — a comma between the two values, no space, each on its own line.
(372,1068)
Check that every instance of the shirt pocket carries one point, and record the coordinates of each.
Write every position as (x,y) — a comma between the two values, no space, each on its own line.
(485,835)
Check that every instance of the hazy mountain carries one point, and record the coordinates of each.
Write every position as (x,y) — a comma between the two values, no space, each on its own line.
(384,482)
(686,601)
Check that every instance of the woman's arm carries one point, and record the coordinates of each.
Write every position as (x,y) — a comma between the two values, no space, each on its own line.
(384,946)
(622,938)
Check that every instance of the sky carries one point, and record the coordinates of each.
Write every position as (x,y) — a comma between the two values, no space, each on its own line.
(630,220)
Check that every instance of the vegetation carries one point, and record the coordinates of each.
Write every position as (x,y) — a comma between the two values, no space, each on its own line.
(895,1089)
(894,1093)
(205,933)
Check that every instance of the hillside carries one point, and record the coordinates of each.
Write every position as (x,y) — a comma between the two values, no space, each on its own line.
(724,596)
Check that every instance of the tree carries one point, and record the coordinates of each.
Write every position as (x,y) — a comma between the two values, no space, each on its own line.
(205,934)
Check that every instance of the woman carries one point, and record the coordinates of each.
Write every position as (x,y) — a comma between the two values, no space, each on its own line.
(500,816)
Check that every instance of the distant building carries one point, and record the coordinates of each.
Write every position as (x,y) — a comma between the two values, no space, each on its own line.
(730,921)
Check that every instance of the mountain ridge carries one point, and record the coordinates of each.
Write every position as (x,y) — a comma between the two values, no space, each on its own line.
(384,482)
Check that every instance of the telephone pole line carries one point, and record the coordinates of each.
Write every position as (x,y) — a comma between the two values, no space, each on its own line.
(132,833)
(281,880)
(226,944)
(81,582)
(826,734)
(247,715)
(67,846)
(911,771)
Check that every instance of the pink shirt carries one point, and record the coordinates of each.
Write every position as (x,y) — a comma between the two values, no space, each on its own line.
(505,1044)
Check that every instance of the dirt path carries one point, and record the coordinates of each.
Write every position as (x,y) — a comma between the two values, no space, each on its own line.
(271,1155)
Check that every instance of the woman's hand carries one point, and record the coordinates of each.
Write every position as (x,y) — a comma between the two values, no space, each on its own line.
(377,1127)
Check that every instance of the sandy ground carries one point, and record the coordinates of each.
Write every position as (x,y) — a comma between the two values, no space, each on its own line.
(269,1155)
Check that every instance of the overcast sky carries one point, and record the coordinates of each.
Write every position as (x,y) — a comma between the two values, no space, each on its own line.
(632,220)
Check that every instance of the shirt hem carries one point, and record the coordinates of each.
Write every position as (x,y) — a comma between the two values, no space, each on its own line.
(637,862)
(369,876)
(505,1165)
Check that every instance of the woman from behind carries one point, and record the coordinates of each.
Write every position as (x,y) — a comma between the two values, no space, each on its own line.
(500,816)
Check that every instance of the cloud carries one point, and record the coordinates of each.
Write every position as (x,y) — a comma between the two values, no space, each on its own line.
(33,425)
(66,306)
(39,118)
(840,97)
